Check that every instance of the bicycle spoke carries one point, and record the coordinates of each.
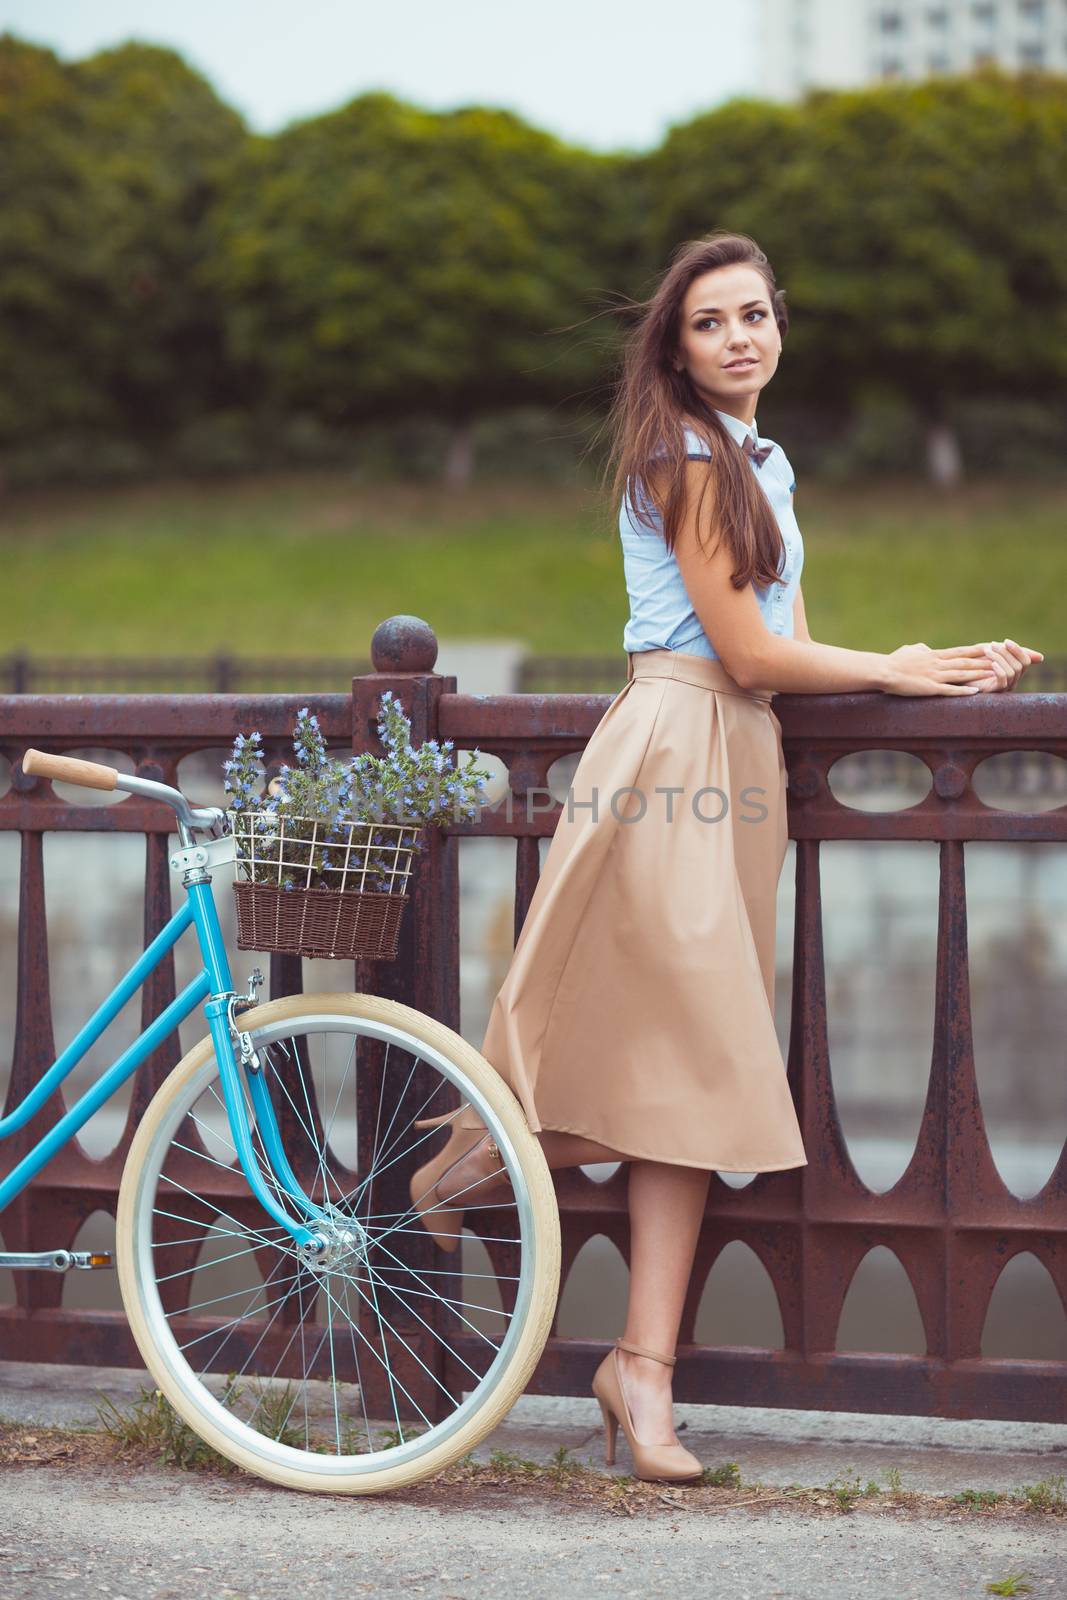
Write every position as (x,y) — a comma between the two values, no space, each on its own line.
(303,1347)
(217,1300)
(333,1114)
(212,1332)
(414,1273)
(445,1205)
(441,1299)
(186,1272)
(372,1300)
(308,1126)
(355,1359)
(287,1346)
(394,1381)
(253,1233)
(451,1272)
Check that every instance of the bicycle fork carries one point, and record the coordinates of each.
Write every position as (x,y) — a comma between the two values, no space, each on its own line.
(234,1052)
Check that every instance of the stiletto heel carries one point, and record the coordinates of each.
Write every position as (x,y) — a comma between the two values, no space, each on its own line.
(672,1463)
(611,1428)
(445,1222)
(435,1122)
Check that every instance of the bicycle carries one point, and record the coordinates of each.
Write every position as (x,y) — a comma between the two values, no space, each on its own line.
(234,1176)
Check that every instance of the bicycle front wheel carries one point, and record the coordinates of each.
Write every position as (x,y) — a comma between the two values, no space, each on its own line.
(385,1360)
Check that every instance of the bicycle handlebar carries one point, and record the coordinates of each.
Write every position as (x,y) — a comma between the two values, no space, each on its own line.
(90,774)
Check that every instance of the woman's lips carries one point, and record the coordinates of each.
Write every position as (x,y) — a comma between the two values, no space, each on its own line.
(739,366)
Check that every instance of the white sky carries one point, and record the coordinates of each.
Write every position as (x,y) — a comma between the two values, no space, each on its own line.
(606,74)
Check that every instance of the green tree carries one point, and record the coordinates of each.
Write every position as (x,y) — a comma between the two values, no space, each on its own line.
(387,262)
(108,167)
(52,257)
(160,141)
(919,231)
(383,262)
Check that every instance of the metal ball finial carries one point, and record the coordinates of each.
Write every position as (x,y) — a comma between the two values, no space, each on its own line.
(403,644)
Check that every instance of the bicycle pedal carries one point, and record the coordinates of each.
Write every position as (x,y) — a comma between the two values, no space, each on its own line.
(57,1260)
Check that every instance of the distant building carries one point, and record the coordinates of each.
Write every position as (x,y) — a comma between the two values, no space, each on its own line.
(839,44)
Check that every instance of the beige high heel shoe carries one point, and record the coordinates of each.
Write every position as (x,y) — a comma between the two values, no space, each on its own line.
(445,1222)
(671,1463)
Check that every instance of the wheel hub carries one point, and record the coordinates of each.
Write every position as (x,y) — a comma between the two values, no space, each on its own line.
(346,1242)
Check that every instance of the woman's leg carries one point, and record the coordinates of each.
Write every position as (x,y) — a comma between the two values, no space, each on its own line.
(574,1149)
(666,1209)
(481,1171)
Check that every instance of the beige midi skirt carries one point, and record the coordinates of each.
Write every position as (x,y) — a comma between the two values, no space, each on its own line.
(638,1009)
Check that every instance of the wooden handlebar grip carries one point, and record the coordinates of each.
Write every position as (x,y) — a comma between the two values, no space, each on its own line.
(68,768)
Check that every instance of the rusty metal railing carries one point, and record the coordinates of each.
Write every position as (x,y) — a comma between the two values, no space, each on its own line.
(950,1219)
(221,673)
(226,673)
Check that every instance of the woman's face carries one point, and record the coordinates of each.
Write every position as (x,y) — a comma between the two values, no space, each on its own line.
(728,340)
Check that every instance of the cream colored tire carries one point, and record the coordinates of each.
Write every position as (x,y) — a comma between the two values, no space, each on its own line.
(539,1267)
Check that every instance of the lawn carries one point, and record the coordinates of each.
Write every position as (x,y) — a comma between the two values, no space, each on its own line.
(310,564)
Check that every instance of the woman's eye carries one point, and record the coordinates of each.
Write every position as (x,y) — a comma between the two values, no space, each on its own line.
(753,313)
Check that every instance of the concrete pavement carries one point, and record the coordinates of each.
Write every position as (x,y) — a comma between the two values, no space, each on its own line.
(156,1533)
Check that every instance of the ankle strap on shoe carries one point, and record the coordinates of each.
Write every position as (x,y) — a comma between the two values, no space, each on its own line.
(639,1350)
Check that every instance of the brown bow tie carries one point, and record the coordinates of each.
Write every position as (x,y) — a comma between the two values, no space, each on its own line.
(758,455)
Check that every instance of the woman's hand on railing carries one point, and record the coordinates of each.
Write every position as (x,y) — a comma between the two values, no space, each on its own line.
(1009,661)
(916,669)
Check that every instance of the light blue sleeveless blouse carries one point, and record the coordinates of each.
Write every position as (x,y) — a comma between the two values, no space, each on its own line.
(661,613)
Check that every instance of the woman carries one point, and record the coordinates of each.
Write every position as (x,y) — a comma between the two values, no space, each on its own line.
(636,1020)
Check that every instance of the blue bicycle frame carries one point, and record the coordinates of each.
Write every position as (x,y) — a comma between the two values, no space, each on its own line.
(213,986)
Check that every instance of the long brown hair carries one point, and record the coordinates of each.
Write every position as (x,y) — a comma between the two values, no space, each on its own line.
(652,401)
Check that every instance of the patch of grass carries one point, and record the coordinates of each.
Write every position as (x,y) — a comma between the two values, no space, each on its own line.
(563,1466)
(978,1497)
(1015,1583)
(309,564)
(150,1431)
(509,1461)
(151,1424)
(272,1411)
(1045,1495)
(848,1488)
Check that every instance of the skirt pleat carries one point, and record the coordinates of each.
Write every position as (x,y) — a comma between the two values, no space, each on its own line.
(638,1009)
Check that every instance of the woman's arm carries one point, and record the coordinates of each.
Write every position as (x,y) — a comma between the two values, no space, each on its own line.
(1015,658)
(800,621)
(732,620)
(757,658)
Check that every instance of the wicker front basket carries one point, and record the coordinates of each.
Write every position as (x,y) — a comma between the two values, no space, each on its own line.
(325,923)
(282,863)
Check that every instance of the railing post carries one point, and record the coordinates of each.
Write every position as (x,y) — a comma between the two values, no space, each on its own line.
(425,975)
(19,667)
